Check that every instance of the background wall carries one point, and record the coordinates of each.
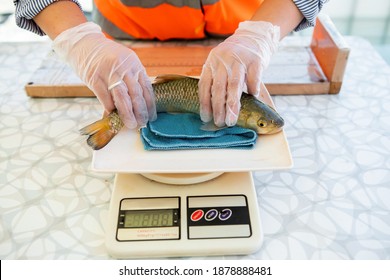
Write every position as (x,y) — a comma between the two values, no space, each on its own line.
(366,18)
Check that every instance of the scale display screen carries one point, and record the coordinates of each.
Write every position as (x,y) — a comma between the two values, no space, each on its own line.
(148,218)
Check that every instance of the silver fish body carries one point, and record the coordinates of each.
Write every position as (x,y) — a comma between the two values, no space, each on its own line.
(179,94)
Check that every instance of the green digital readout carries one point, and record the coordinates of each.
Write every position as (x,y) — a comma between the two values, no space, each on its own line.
(148,218)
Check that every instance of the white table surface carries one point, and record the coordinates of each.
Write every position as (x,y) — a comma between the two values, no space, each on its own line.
(333,204)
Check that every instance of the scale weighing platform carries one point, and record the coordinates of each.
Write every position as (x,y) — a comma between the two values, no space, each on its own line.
(186,202)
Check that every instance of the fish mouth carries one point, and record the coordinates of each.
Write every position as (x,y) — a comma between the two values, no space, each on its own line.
(278,126)
(276,130)
(270,131)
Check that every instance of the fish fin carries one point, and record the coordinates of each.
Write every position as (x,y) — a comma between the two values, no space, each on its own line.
(210,126)
(99,132)
(167,78)
(91,128)
(100,139)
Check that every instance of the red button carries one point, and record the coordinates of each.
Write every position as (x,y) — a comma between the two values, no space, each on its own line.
(197,215)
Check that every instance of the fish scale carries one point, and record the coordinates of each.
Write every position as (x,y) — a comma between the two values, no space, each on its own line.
(180,96)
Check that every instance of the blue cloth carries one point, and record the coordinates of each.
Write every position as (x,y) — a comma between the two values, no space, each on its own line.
(183,131)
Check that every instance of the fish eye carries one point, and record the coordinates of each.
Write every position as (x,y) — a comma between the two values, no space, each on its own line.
(262,123)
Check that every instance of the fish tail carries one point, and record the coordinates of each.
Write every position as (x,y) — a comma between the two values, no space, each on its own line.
(99,133)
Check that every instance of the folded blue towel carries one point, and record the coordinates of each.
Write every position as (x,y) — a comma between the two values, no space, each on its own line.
(183,131)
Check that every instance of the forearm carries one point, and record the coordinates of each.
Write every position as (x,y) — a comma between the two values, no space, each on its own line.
(58,17)
(283,13)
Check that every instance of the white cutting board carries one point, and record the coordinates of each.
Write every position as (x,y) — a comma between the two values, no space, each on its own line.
(126,154)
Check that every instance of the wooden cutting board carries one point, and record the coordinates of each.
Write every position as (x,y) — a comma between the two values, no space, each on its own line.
(299,67)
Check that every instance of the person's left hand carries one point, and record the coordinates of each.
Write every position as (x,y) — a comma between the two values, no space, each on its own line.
(236,62)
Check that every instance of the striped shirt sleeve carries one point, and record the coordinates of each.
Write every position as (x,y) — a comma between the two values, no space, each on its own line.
(26,10)
(310,10)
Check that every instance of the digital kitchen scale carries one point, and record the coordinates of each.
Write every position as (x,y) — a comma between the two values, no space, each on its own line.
(151,219)
(186,202)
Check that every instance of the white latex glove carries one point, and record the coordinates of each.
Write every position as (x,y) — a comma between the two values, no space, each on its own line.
(112,71)
(236,62)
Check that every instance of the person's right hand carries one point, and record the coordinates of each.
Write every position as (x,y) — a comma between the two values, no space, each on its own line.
(112,71)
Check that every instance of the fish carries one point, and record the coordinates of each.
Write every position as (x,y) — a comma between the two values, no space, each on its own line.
(179,94)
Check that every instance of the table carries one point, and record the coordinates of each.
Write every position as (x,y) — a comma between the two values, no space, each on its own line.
(333,204)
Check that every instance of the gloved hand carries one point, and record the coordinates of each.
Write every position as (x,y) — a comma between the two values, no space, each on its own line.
(236,62)
(112,71)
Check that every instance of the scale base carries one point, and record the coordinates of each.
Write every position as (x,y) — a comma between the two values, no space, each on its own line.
(216,217)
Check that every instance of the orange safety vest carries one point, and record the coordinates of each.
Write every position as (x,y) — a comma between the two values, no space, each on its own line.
(171,19)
